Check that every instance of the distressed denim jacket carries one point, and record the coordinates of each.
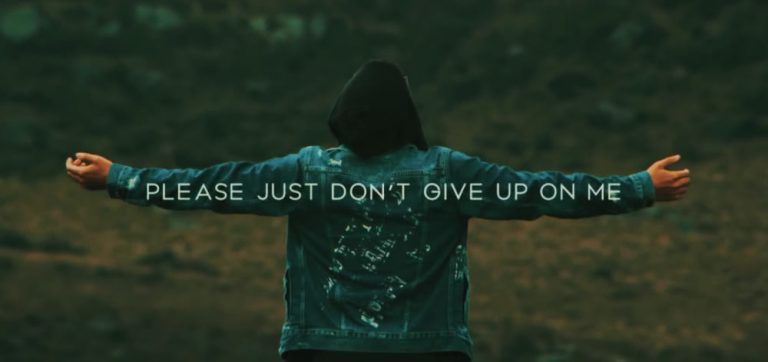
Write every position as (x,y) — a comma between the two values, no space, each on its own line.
(386,273)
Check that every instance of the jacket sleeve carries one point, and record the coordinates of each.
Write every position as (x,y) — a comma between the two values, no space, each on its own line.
(630,192)
(230,187)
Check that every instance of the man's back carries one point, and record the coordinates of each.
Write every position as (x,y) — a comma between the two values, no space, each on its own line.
(373,265)
(377,259)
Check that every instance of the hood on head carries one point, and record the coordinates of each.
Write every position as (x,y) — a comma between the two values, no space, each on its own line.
(374,112)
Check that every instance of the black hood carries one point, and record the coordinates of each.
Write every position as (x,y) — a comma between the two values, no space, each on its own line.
(374,113)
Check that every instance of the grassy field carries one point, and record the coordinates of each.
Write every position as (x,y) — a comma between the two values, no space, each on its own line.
(582,85)
(89,278)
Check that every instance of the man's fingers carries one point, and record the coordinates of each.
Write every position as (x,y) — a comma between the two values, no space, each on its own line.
(71,167)
(663,163)
(75,177)
(682,182)
(680,174)
(80,169)
(87,156)
(76,170)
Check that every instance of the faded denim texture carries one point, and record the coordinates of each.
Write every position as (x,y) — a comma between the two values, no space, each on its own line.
(383,275)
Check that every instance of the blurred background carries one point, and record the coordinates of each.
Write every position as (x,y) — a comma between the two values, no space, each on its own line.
(604,87)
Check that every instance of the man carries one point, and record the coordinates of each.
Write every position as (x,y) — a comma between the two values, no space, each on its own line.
(380,278)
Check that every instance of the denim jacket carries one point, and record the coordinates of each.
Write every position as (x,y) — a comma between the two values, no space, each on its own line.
(383,273)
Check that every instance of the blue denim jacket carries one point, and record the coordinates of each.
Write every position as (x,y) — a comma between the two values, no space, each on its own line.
(373,273)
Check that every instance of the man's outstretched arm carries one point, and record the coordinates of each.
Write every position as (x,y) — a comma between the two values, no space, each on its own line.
(230,187)
(591,194)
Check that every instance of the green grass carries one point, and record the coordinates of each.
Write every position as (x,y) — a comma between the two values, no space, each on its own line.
(678,282)
(581,85)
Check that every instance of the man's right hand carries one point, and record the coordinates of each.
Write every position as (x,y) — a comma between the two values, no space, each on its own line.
(670,185)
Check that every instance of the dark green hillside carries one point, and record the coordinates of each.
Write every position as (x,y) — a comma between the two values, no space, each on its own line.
(604,87)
